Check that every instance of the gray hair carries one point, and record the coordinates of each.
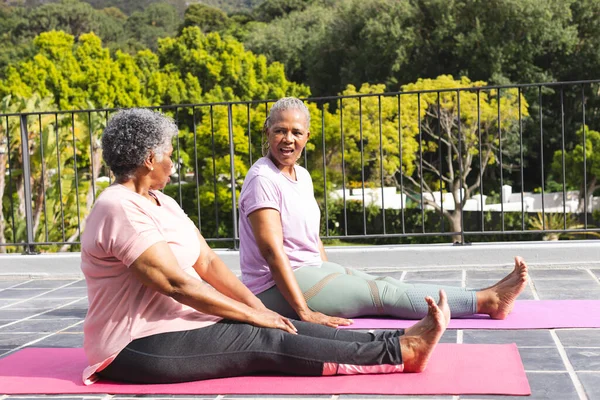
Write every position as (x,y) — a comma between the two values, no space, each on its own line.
(129,137)
(287,103)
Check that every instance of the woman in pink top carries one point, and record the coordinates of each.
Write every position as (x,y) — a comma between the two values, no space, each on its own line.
(283,260)
(153,319)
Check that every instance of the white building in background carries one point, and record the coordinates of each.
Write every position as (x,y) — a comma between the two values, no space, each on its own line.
(532,202)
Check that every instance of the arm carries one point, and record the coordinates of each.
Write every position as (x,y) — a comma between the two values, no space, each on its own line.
(322,250)
(267,229)
(214,271)
(157,268)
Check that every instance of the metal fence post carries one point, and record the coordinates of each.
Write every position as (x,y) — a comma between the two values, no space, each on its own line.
(232,170)
(29,248)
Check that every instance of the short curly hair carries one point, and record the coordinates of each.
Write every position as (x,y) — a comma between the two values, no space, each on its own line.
(129,137)
(287,103)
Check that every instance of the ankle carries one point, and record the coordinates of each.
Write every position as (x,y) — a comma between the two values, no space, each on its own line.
(485,302)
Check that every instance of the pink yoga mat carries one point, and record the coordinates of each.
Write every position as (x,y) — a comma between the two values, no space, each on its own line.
(454,369)
(527,314)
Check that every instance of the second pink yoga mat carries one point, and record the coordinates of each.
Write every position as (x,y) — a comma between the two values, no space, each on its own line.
(454,369)
(527,314)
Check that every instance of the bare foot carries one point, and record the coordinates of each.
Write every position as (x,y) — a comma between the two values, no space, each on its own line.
(499,300)
(419,340)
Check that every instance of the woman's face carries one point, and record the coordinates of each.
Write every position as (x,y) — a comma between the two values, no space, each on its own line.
(287,136)
(163,170)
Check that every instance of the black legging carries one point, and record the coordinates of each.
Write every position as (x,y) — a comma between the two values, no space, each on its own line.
(230,348)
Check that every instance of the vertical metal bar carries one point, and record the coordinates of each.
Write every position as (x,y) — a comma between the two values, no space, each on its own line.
(196,170)
(421,161)
(110,177)
(460,170)
(76,174)
(343,166)
(381,166)
(214,164)
(62,211)
(232,176)
(401,172)
(562,137)
(362,165)
(179,177)
(92,153)
(10,181)
(501,165)
(522,172)
(43,164)
(480,160)
(249,134)
(324,170)
(585,195)
(29,249)
(305,153)
(542,156)
(439,133)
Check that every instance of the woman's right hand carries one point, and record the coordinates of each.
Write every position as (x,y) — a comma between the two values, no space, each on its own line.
(266,318)
(322,319)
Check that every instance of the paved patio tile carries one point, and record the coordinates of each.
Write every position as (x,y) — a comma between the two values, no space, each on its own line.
(544,386)
(493,274)
(66,312)
(543,274)
(11,283)
(69,293)
(18,339)
(584,359)
(62,340)
(579,338)
(47,283)
(37,326)
(440,283)
(520,337)
(541,359)
(565,284)
(4,303)
(16,314)
(446,275)
(393,274)
(37,304)
(591,384)
(20,294)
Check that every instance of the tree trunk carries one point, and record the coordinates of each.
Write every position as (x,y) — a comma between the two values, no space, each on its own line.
(454,219)
(592,185)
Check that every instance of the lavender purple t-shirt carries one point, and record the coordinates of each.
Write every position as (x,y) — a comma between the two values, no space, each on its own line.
(266,186)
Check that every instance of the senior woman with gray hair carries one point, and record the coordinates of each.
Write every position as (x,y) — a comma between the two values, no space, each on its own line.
(283,260)
(164,308)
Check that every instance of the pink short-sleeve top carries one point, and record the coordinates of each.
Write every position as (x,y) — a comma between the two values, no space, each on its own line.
(121,226)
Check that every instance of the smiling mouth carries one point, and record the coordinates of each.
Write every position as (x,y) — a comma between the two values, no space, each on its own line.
(287,152)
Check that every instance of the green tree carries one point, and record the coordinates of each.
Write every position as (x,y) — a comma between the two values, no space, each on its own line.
(575,167)
(459,144)
(145,27)
(208,19)
(269,10)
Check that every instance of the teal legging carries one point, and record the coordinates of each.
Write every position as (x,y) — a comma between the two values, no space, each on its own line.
(344,292)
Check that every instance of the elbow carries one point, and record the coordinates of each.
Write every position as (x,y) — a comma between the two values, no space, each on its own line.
(176,289)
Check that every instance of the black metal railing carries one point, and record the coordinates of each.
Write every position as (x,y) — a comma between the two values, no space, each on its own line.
(413,166)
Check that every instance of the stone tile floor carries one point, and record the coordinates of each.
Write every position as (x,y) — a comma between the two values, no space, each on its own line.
(560,363)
